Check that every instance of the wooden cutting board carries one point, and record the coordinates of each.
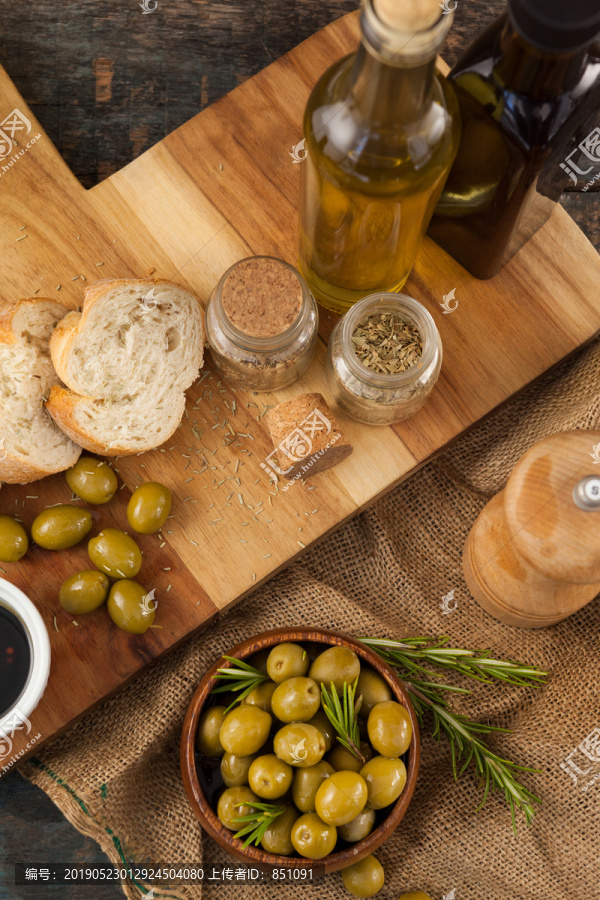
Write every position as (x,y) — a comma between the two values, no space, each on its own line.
(222,187)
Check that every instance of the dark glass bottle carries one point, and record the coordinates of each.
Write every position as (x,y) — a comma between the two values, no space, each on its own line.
(529,96)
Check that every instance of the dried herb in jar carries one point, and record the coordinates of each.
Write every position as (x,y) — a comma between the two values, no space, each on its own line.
(387,343)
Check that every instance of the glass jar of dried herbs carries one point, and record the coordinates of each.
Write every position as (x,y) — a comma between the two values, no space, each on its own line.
(384,358)
(261,324)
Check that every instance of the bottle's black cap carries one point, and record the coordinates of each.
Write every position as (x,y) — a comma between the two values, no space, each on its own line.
(556,24)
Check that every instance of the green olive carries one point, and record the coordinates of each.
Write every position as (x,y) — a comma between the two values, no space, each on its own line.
(269,777)
(261,696)
(131,607)
(278,836)
(92,480)
(13,540)
(320,721)
(337,665)
(296,699)
(385,780)
(209,727)
(299,744)
(287,661)
(60,527)
(344,761)
(390,728)
(115,553)
(306,784)
(149,507)
(234,769)
(84,592)
(245,730)
(359,828)
(364,878)
(341,798)
(234,803)
(372,688)
(313,838)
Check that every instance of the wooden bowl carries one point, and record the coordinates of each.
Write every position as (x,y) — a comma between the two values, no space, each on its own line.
(208,817)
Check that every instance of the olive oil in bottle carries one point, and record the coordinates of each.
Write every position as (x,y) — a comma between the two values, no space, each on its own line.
(381,129)
(529,93)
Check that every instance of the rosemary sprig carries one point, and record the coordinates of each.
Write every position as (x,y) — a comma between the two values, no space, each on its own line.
(343,715)
(463,734)
(496,773)
(256,823)
(478,664)
(240,677)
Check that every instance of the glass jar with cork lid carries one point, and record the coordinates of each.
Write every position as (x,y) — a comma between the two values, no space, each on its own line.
(261,324)
(384,357)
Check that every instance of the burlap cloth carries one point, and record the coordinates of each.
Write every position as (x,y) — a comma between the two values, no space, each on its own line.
(116,775)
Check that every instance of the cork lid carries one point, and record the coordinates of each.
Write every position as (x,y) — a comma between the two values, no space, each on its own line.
(408,15)
(405,32)
(262,296)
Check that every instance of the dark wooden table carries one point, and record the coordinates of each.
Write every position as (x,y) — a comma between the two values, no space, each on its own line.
(106,82)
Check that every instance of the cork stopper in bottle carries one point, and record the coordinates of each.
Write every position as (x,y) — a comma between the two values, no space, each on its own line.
(408,16)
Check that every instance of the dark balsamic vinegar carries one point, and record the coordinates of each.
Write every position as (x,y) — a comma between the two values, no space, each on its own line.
(15,659)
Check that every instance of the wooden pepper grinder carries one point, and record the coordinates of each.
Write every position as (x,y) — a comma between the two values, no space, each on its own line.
(532,558)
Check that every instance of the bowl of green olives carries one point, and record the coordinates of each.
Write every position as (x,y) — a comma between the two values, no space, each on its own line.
(261,738)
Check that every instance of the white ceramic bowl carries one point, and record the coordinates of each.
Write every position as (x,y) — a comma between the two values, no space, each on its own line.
(21,606)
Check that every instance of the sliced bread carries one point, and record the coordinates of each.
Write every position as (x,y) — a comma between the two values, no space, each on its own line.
(127,360)
(31,446)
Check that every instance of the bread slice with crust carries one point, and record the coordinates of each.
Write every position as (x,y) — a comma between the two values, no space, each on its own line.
(31,446)
(127,360)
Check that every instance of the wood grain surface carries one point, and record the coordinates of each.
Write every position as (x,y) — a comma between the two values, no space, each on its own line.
(218,188)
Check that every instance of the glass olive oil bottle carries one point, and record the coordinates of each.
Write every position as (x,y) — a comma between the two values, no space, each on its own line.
(381,129)
(529,96)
